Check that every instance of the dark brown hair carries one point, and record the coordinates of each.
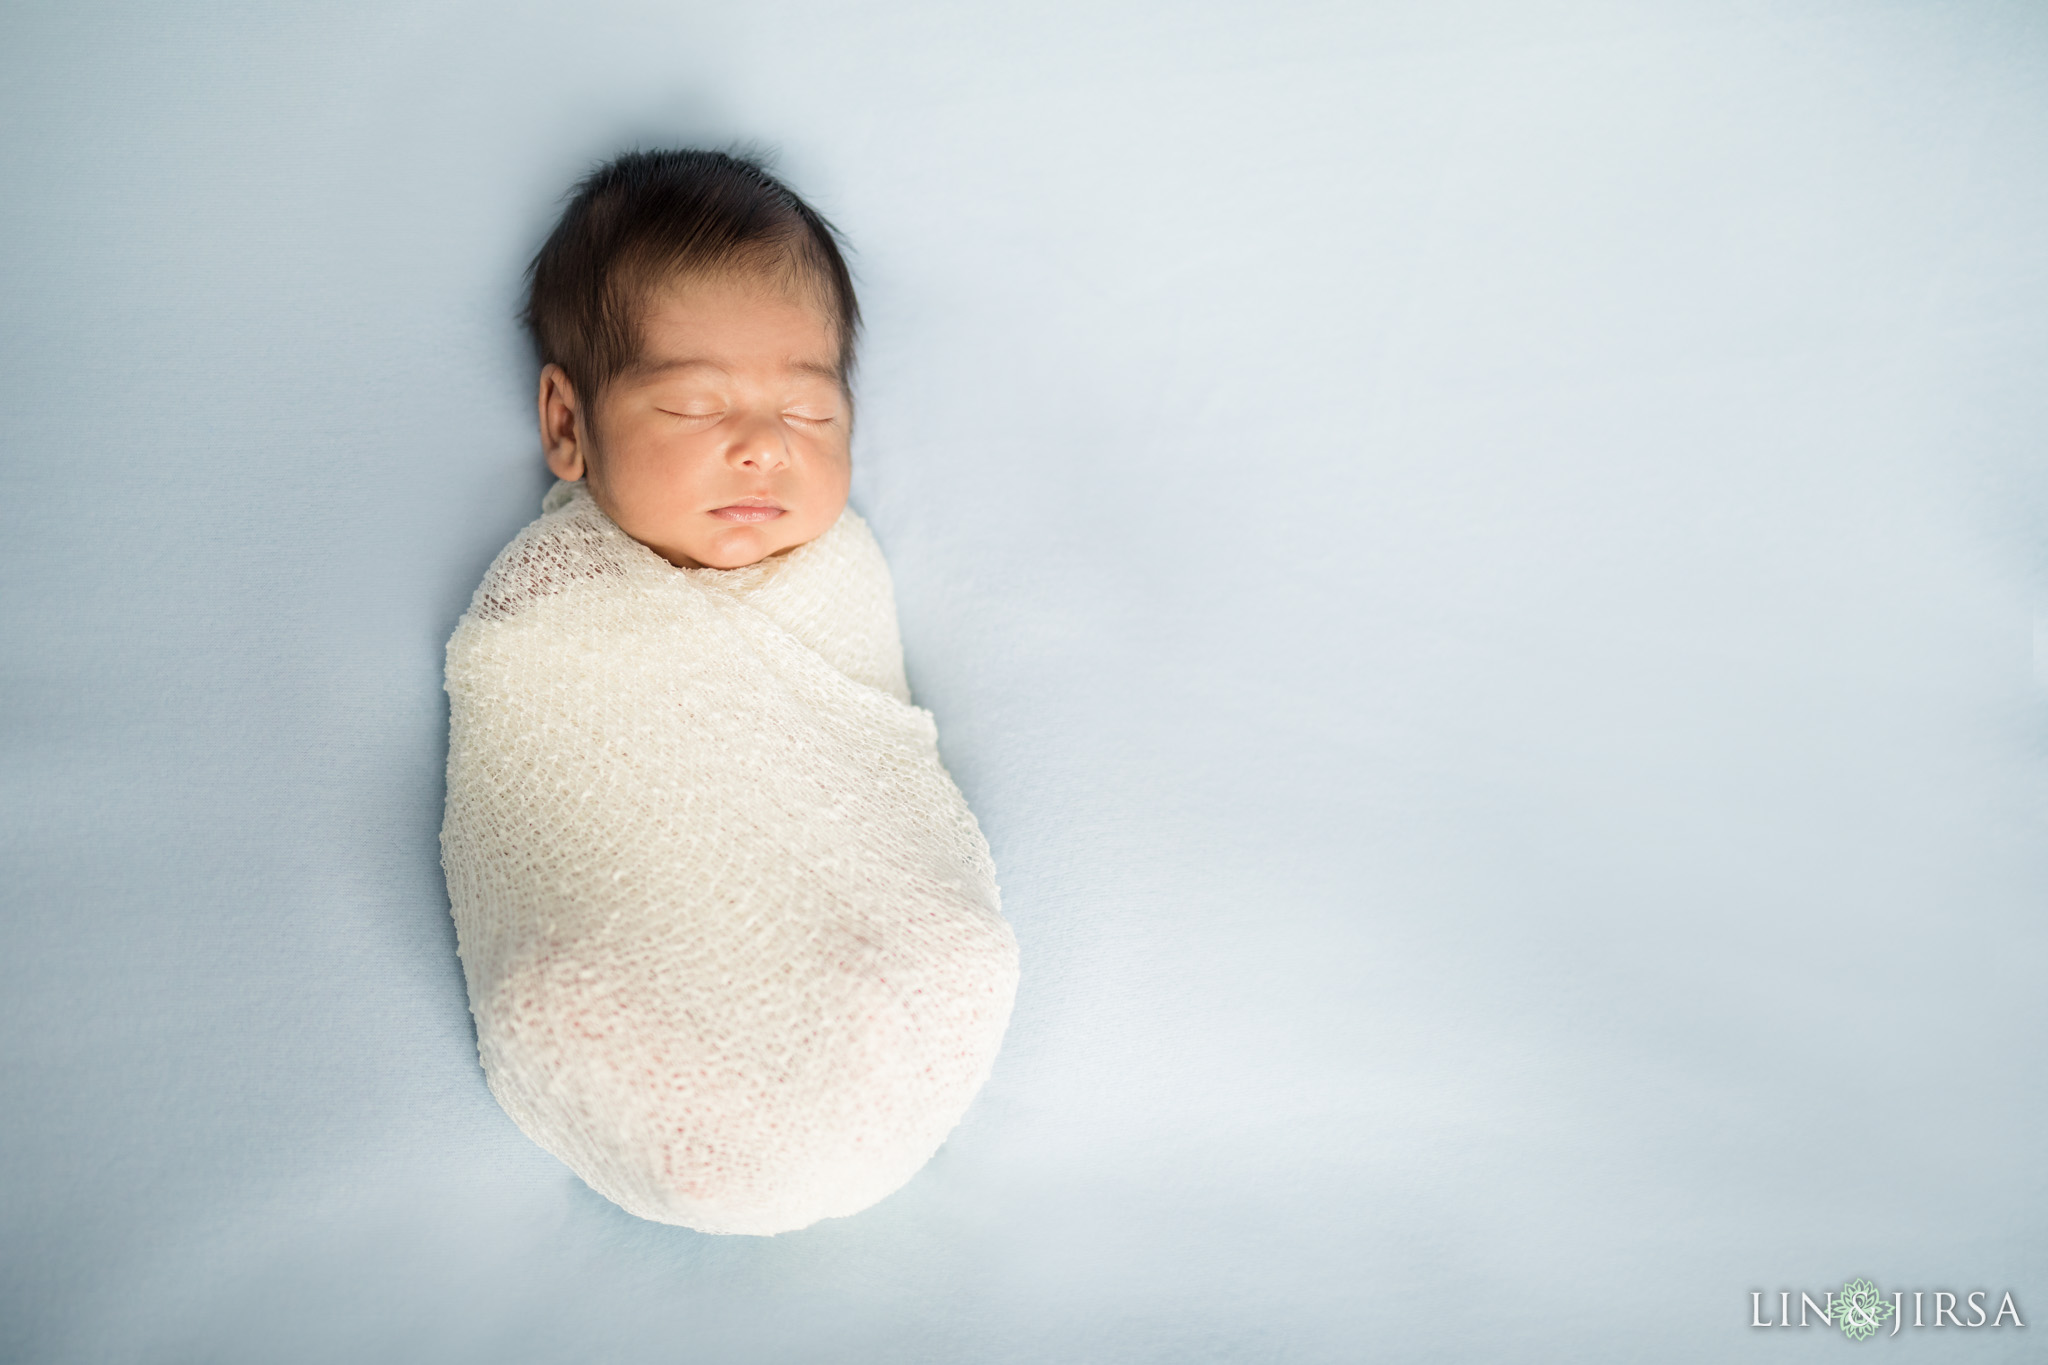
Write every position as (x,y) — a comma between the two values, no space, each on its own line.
(648,217)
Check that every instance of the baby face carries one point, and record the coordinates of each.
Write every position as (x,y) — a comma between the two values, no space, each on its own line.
(727,441)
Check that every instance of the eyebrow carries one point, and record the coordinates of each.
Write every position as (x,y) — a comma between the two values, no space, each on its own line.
(647,368)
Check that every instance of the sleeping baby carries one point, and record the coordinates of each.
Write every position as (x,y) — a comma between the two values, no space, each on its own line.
(731,935)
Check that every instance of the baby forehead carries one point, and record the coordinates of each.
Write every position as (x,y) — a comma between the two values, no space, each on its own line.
(653,369)
(705,327)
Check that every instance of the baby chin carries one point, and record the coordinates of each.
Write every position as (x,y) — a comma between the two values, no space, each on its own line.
(740,536)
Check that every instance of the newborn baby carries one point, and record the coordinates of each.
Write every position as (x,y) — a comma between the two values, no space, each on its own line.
(731,935)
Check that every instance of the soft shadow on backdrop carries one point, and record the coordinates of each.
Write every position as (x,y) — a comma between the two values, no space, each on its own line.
(1481,564)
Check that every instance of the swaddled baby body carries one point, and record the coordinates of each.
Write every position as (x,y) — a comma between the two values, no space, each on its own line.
(731,935)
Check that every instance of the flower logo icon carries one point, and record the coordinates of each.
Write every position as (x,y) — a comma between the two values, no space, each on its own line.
(1859,1308)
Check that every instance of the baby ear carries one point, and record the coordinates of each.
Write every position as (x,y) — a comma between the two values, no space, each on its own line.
(561,425)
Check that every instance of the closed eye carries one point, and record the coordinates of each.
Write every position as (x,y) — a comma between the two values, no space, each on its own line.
(691,416)
(809,419)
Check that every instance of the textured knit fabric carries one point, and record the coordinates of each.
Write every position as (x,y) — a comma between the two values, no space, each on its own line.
(731,934)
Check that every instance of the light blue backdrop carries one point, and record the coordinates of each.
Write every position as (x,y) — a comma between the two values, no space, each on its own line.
(1483,566)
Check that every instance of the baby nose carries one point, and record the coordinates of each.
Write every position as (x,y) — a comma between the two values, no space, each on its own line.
(761,448)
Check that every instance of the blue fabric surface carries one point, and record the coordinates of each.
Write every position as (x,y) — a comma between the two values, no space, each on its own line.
(1481,564)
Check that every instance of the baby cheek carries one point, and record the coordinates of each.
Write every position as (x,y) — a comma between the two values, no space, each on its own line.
(834,477)
(827,512)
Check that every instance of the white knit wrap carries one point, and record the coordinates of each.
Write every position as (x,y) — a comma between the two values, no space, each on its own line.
(731,934)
